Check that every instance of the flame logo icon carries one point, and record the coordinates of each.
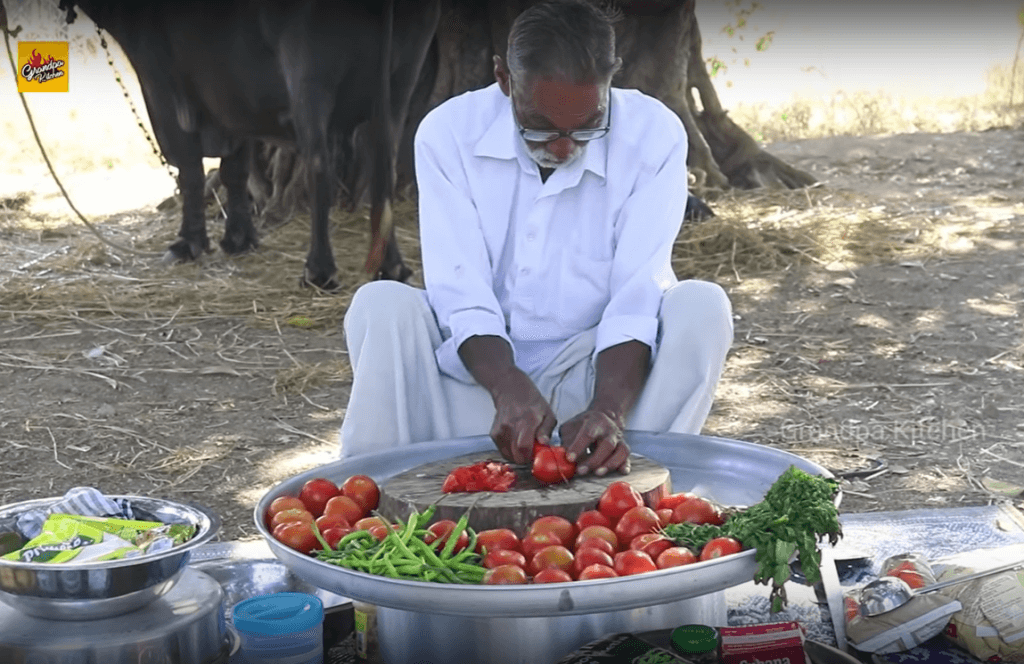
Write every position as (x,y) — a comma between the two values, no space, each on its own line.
(44,66)
(36,60)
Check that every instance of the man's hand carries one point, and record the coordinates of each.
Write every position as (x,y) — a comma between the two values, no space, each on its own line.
(596,441)
(595,438)
(523,415)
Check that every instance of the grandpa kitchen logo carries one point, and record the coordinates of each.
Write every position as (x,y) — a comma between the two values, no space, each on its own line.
(43,66)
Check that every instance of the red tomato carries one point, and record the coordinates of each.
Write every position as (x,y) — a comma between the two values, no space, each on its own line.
(675,556)
(599,531)
(720,546)
(560,526)
(481,476)
(363,490)
(631,562)
(316,493)
(344,507)
(596,571)
(282,503)
(500,557)
(556,556)
(673,500)
(534,542)
(664,516)
(497,539)
(697,511)
(328,521)
(504,575)
(550,465)
(599,543)
(617,499)
(381,531)
(297,535)
(636,521)
(287,516)
(551,575)
(441,530)
(368,522)
(586,557)
(333,535)
(651,543)
(592,518)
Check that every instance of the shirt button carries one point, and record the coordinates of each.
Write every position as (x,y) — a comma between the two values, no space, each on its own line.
(531,236)
(525,271)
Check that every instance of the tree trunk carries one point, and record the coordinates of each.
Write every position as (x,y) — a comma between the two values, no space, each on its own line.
(660,45)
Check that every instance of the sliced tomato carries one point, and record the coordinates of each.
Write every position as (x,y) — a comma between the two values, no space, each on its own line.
(481,476)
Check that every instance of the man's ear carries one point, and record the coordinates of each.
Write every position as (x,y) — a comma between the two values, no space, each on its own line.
(501,75)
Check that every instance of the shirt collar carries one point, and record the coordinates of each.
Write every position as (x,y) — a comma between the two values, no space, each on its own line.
(502,141)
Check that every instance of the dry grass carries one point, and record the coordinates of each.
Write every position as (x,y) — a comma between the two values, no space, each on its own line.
(867,113)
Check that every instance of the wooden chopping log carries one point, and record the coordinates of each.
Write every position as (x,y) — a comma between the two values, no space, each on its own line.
(517,508)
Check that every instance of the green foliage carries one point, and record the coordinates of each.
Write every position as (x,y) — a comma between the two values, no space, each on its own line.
(741,12)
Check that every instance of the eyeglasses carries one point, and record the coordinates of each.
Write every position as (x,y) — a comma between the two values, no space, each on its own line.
(548,135)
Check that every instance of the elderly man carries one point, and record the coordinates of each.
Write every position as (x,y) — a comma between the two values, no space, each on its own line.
(549,203)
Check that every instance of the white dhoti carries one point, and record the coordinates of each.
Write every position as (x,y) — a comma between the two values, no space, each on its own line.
(400,396)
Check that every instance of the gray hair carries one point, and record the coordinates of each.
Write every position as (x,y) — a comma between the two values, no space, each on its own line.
(570,39)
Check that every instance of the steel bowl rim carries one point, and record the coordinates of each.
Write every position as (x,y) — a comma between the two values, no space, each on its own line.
(212,521)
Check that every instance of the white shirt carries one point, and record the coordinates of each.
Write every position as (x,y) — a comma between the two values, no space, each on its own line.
(534,262)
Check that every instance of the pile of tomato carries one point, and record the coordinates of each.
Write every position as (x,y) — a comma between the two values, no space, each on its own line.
(336,510)
(622,537)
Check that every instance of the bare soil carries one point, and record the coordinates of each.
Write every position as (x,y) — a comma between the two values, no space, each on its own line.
(890,352)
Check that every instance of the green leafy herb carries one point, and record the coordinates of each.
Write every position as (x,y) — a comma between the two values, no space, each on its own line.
(796,513)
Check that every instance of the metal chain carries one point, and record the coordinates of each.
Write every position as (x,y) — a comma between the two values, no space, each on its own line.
(135,111)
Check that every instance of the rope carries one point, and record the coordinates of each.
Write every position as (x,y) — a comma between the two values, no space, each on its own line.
(14,69)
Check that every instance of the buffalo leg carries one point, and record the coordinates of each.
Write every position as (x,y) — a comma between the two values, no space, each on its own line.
(192,239)
(393,268)
(239,232)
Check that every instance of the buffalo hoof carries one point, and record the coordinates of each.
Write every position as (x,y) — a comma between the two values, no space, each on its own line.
(399,273)
(697,210)
(184,250)
(324,282)
(241,243)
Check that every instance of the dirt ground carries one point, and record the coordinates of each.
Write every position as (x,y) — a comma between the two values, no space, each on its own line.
(882,339)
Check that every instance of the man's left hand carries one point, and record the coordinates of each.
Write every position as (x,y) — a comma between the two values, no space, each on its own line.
(595,440)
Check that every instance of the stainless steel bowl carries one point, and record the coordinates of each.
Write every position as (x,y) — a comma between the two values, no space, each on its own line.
(89,591)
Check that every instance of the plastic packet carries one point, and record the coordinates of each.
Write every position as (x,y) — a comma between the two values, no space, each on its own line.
(64,540)
(903,628)
(913,568)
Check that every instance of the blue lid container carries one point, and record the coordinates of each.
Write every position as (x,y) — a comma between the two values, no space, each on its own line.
(284,628)
(281,613)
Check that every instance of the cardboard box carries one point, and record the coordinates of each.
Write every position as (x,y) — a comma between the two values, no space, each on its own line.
(771,643)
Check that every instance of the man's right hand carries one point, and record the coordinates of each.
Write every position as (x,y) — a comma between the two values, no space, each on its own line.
(523,415)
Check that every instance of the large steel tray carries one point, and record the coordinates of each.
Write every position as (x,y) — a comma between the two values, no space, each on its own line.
(732,472)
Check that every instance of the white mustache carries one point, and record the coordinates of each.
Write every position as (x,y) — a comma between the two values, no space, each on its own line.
(544,159)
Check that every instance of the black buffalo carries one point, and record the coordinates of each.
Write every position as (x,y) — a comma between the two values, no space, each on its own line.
(218,74)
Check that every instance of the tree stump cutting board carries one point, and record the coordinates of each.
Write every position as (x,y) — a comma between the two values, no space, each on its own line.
(518,507)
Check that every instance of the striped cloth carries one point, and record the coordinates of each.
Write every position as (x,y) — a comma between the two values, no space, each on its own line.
(82,500)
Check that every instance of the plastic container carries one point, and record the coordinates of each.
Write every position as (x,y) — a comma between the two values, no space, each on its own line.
(284,628)
(697,643)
